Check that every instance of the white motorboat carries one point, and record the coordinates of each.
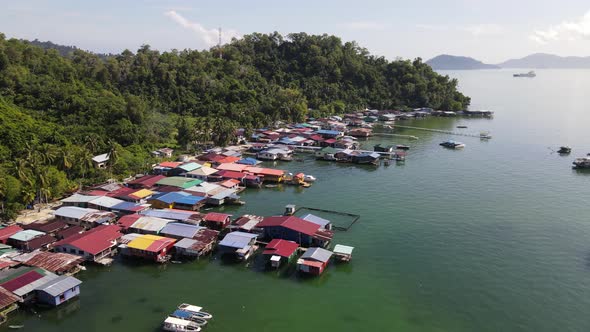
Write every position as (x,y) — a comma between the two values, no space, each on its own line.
(309,178)
(179,325)
(195,310)
(187,315)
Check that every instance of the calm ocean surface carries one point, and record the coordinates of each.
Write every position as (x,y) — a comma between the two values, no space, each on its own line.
(492,238)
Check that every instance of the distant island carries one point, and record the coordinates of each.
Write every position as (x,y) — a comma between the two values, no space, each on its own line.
(452,62)
(533,61)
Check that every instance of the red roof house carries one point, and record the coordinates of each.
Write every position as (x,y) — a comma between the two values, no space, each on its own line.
(9,231)
(146,182)
(216,220)
(93,245)
(281,248)
(295,229)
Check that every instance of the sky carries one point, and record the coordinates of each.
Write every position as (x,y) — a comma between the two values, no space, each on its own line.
(491,30)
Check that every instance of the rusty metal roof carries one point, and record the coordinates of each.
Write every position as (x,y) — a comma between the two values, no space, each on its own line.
(54,262)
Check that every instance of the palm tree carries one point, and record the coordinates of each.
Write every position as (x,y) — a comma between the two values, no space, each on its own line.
(28,195)
(47,154)
(91,143)
(22,171)
(65,159)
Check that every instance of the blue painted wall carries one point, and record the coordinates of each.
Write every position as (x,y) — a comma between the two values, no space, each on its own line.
(55,301)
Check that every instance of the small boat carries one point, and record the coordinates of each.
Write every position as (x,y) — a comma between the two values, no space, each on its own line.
(564,150)
(309,178)
(452,144)
(402,147)
(582,163)
(16,327)
(179,325)
(271,185)
(485,135)
(529,74)
(187,315)
(195,310)
(461,127)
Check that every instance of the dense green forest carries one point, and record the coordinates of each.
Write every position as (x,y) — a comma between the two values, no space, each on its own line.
(58,110)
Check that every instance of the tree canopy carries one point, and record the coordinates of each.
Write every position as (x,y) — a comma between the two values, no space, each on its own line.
(58,110)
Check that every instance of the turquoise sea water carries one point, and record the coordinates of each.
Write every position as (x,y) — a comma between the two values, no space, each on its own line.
(495,237)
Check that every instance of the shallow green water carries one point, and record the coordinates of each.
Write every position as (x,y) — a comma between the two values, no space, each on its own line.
(491,238)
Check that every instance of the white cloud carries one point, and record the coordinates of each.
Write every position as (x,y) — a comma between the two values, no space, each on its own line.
(365,25)
(209,37)
(570,31)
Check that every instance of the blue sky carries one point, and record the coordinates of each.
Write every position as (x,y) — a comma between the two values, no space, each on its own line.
(491,31)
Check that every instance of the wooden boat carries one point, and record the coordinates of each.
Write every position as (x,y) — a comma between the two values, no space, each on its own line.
(462,127)
(179,325)
(187,315)
(195,310)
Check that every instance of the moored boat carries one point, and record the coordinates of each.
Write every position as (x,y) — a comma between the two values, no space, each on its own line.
(195,310)
(529,74)
(564,150)
(187,315)
(309,178)
(402,147)
(179,325)
(582,163)
(485,135)
(452,144)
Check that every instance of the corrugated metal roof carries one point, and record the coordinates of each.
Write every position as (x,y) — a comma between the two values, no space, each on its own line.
(6,298)
(172,197)
(237,240)
(105,201)
(180,230)
(56,262)
(185,243)
(342,249)
(317,254)
(26,235)
(172,214)
(190,200)
(223,194)
(150,224)
(73,212)
(142,193)
(94,241)
(59,285)
(101,158)
(190,166)
(178,181)
(9,231)
(282,248)
(149,242)
(77,198)
(203,171)
(316,220)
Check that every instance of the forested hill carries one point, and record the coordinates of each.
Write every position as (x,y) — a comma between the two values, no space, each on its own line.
(56,111)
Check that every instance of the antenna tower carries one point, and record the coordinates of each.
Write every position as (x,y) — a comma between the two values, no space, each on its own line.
(219,45)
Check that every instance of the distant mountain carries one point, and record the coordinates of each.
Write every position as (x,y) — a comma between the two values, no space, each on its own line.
(452,62)
(65,51)
(543,60)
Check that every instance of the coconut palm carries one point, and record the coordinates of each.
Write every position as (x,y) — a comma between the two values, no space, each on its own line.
(28,195)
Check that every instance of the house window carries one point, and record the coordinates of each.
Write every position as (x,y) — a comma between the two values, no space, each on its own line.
(80,252)
(62,297)
(73,251)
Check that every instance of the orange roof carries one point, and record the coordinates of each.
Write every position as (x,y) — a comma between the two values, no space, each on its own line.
(229,183)
(232,167)
(170,164)
(265,171)
(228,160)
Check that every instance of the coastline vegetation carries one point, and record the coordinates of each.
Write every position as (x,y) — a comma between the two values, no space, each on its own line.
(59,110)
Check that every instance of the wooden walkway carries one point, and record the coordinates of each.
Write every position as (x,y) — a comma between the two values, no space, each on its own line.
(448,132)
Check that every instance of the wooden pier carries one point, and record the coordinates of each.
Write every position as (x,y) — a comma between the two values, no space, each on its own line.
(448,132)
